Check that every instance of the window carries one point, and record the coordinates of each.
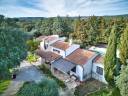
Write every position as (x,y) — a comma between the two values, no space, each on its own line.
(74,69)
(45,46)
(99,70)
(56,50)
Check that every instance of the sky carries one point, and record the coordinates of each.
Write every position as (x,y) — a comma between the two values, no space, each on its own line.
(51,8)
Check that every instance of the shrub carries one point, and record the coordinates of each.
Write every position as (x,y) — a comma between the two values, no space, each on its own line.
(46,87)
(77,92)
(32,57)
(32,45)
(4,85)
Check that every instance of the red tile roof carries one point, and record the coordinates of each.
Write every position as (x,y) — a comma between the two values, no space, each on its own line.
(80,56)
(61,45)
(48,55)
(47,38)
(51,38)
(99,59)
(40,38)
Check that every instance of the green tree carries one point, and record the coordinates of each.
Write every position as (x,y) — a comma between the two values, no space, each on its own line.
(122,81)
(12,50)
(58,26)
(110,57)
(32,45)
(124,46)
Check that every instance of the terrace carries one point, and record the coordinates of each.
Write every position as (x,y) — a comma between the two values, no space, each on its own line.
(70,81)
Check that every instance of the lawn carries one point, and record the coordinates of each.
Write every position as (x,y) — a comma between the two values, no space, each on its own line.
(4,85)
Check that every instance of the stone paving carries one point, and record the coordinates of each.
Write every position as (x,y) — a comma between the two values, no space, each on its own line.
(70,82)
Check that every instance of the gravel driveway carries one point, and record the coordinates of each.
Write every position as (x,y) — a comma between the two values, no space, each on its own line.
(27,72)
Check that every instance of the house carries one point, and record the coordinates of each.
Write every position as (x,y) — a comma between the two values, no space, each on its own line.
(70,59)
(63,48)
(46,41)
(78,63)
(101,48)
(47,56)
(98,68)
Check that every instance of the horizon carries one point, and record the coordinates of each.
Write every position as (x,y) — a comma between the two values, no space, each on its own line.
(65,16)
(53,8)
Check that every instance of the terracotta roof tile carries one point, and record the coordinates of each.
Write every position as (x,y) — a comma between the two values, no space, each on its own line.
(80,56)
(40,38)
(51,38)
(99,59)
(61,45)
(48,55)
(47,38)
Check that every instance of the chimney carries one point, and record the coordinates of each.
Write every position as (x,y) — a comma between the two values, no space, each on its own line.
(70,39)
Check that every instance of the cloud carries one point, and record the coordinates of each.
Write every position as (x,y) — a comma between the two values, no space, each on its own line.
(48,8)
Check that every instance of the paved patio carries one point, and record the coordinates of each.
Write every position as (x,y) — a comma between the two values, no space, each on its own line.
(70,82)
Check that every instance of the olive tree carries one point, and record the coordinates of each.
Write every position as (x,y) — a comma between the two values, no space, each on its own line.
(12,50)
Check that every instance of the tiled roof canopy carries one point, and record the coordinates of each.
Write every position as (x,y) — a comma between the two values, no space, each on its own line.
(48,55)
(61,45)
(80,56)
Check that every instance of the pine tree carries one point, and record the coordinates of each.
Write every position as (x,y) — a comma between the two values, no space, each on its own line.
(58,26)
(110,57)
(124,47)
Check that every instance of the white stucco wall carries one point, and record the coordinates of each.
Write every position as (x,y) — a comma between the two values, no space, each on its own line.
(66,52)
(62,52)
(98,49)
(102,50)
(72,48)
(49,43)
(88,68)
(42,45)
(79,72)
(97,76)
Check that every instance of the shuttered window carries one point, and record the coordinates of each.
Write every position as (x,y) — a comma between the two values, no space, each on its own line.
(99,70)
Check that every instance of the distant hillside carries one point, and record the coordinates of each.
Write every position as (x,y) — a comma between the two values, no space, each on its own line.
(83,17)
(29,18)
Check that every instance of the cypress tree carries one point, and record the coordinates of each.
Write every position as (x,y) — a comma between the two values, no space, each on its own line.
(110,57)
(121,81)
(124,46)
